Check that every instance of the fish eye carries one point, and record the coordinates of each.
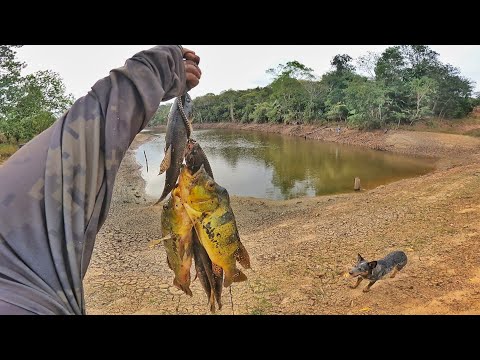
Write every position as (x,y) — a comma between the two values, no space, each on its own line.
(210,184)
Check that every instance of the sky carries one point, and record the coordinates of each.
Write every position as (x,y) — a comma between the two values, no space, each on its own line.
(224,66)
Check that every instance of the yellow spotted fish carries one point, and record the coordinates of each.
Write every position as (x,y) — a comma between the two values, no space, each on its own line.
(208,206)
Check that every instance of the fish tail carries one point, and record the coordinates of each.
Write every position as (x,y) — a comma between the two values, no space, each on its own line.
(235,276)
(218,283)
(211,302)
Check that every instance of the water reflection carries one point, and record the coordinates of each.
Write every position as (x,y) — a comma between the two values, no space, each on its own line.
(281,167)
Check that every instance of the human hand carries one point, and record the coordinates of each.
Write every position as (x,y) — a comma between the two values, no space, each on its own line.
(192,70)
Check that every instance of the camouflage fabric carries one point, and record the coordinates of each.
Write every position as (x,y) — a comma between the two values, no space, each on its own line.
(55,191)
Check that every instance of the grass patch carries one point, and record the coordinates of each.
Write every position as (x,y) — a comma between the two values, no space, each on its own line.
(7,150)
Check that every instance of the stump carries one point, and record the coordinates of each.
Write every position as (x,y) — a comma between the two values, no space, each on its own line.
(356,187)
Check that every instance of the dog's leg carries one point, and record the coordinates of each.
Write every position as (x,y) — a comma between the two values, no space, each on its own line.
(395,270)
(359,280)
(367,288)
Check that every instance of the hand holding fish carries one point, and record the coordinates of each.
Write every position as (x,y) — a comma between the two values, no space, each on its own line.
(198,222)
(193,72)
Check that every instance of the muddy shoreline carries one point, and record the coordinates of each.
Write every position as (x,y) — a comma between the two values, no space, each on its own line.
(302,248)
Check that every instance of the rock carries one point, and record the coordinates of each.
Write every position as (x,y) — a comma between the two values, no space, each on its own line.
(163,286)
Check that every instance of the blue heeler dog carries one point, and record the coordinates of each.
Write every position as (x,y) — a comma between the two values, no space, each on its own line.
(375,270)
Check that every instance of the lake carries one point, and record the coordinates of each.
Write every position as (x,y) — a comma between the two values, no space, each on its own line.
(273,166)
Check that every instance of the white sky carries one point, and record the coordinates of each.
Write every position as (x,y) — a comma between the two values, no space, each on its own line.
(224,66)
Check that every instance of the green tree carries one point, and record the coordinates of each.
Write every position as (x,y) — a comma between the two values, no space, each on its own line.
(402,84)
(366,100)
(423,90)
(336,82)
(10,78)
(29,104)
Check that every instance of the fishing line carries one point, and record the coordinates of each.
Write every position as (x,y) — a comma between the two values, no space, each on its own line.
(231,299)
(188,126)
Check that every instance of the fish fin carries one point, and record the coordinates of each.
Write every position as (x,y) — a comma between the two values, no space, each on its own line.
(184,288)
(192,213)
(241,255)
(185,249)
(237,276)
(167,160)
(168,263)
(153,243)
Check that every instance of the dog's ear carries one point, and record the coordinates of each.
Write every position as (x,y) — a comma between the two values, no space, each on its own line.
(359,258)
(372,264)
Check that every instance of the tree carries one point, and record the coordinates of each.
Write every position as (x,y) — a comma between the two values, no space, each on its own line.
(366,100)
(390,66)
(10,77)
(291,91)
(402,84)
(422,90)
(342,63)
(292,69)
(335,82)
(29,104)
(367,63)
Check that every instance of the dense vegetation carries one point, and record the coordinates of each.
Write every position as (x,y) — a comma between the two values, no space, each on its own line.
(401,85)
(28,104)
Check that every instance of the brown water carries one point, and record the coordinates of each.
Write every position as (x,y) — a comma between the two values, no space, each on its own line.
(272,166)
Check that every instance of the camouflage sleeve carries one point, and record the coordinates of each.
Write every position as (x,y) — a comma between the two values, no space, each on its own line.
(55,192)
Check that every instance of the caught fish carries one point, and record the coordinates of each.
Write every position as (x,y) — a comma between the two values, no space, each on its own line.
(212,283)
(195,157)
(208,206)
(177,238)
(179,129)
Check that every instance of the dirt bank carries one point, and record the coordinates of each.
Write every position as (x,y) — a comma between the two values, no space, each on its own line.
(301,248)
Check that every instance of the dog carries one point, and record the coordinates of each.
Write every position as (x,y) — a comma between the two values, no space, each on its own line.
(376,270)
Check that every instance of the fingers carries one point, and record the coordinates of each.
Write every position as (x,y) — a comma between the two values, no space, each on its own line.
(192,81)
(190,55)
(193,68)
(193,72)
